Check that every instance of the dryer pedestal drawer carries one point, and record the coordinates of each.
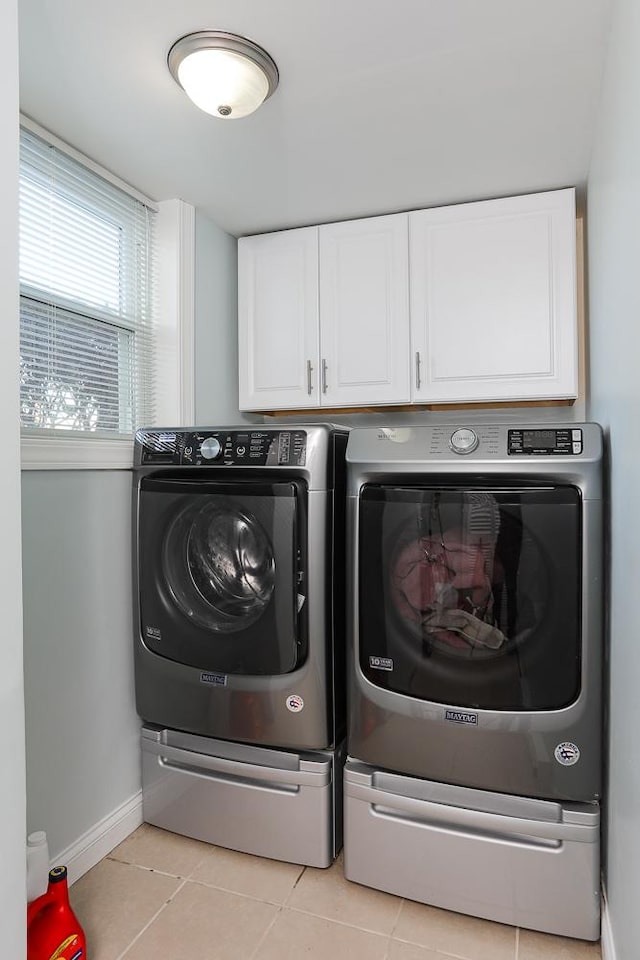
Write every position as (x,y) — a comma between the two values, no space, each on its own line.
(270,803)
(527,863)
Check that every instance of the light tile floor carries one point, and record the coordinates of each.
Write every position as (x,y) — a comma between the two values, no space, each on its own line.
(159,896)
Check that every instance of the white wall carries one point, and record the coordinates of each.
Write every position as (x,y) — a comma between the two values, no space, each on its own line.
(614,291)
(82,729)
(12,790)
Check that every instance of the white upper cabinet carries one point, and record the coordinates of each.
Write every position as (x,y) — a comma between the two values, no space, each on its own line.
(493,300)
(459,304)
(345,344)
(278,320)
(364,312)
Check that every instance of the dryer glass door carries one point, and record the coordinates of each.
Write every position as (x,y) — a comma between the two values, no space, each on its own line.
(472,596)
(222,574)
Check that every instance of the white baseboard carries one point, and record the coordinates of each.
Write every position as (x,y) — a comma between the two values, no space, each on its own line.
(606,935)
(101,839)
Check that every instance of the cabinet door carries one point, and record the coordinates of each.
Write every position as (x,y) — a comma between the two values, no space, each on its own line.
(493,299)
(278,320)
(364,312)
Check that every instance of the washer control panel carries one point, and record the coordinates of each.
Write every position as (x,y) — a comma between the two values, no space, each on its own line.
(543,442)
(250,448)
(210,448)
(464,440)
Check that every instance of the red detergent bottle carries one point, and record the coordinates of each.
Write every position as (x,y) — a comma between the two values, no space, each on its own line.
(53,931)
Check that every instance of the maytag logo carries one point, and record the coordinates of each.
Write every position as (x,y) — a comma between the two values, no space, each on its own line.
(217,679)
(457,716)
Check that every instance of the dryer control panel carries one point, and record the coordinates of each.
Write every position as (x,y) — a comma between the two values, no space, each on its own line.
(541,442)
(250,448)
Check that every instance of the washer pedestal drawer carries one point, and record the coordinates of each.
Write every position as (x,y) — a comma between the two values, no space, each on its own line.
(271,803)
(527,862)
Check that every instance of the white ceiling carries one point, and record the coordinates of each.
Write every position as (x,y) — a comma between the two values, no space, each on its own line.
(382,106)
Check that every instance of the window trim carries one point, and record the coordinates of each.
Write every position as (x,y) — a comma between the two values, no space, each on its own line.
(63,147)
(66,450)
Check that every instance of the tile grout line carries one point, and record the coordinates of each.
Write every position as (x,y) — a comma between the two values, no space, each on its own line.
(208,884)
(154,917)
(341,923)
(290,894)
(442,953)
(267,932)
(397,920)
(446,954)
(388,948)
(141,866)
(238,893)
(200,861)
(331,920)
(393,930)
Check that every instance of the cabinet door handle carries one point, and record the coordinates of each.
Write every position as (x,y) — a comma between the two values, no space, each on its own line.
(309,372)
(324,375)
(418,380)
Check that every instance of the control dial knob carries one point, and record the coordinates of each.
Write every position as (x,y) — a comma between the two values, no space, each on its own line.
(464,440)
(210,448)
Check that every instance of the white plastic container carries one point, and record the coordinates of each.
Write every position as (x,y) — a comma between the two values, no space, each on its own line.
(37,865)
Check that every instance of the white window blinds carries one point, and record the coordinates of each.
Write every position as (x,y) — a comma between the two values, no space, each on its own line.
(87,297)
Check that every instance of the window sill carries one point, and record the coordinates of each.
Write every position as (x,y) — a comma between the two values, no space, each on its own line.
(76,453)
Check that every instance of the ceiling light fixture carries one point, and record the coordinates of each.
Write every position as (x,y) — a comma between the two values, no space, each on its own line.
(225,75)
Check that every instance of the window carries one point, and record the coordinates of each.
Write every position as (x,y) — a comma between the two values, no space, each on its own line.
(87,297)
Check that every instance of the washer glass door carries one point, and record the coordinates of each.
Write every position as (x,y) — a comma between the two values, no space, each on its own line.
(471,596)
(222,573)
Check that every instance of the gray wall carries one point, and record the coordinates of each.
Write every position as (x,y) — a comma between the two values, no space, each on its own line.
(216,333)
(614,290)
(82,729)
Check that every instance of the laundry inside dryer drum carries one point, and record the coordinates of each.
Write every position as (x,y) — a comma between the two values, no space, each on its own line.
(471,596)
(453,581)
(219,566)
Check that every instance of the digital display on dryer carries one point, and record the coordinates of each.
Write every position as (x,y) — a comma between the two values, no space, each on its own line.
(545,442)
(539,438)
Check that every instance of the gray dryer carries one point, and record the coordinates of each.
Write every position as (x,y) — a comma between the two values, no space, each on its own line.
(476,605)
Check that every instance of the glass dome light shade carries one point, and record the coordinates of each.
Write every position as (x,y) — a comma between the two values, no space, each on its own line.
(219,79)
(224,75)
